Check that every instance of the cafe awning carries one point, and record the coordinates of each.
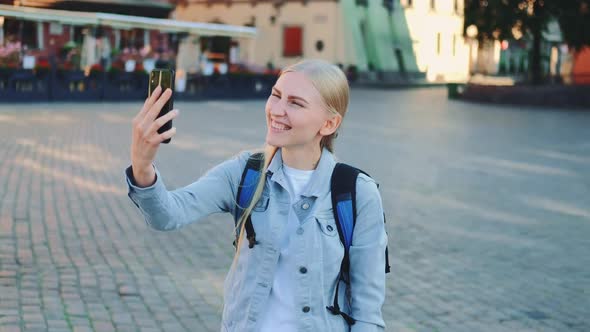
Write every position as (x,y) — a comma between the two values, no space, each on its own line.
(162,4)
(125,21)
(146,8)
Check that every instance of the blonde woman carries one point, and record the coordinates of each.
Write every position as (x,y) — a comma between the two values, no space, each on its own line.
(287,280)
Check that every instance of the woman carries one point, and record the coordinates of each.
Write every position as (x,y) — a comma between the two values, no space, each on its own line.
(288,279)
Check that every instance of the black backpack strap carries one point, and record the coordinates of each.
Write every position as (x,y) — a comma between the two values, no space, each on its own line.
(387,266)
(248,183)
(343,188)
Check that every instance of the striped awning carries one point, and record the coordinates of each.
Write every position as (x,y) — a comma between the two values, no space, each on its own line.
(125,21)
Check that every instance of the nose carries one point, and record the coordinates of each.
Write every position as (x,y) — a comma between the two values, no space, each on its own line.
(277,109)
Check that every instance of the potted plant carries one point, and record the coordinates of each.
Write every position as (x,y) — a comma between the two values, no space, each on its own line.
(96,70)
(139,69)
(116,69)
(9,59)
(65,67)
(42,68)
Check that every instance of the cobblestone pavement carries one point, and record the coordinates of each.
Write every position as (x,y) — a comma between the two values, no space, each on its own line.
(488,215)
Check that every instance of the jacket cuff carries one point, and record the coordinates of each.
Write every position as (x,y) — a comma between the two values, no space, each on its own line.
(366,327)
(142,192)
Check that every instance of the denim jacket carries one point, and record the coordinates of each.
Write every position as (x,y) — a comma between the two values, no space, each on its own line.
(318,247)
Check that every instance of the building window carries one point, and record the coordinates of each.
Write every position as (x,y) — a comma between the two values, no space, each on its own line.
(134,38)
(319,46)
(292,41)
(252,22)
(433,4)
(388,4)
(454,45)
(438,43)
(456,6)
(24,32)
(78,34)
(406,3)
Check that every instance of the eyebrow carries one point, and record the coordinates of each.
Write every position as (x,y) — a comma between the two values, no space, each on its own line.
(291,96)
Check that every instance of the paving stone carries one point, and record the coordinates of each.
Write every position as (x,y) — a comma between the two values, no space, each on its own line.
(487,210)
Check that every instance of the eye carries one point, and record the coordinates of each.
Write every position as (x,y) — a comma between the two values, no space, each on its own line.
(295,103)
(274,94)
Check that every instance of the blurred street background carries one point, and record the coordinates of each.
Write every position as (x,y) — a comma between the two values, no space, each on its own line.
(472,115)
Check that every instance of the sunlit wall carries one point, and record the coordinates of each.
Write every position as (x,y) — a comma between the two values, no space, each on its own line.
(436,32)
(419,36)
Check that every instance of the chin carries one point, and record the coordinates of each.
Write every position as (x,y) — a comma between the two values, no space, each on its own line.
(274,143)
(269,140)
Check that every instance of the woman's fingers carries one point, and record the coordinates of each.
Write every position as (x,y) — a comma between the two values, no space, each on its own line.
(167,134)
(154,96)
(145,142)
(162,120)
(157,106)
(150,101)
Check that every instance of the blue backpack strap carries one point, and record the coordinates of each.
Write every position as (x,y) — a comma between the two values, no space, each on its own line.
(250,177)
(343,187)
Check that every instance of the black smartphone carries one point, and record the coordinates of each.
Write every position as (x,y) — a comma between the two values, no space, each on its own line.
(164,78)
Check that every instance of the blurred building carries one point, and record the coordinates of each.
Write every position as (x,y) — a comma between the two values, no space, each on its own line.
(391,39)
(80,34)
(48,26)
(511,57)
(581,66)
(147,8)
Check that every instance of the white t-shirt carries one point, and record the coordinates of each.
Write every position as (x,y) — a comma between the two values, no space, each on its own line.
(281,308)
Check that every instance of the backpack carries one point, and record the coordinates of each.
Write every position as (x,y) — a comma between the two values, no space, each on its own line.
(343,188)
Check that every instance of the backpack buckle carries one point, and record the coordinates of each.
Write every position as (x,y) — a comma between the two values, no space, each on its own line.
(252,240)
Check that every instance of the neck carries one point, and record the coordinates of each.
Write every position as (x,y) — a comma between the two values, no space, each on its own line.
(301,158)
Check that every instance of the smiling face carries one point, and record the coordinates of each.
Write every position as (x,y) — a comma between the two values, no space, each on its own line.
(295,114)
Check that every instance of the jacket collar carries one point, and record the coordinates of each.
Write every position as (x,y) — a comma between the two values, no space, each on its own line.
(319,183)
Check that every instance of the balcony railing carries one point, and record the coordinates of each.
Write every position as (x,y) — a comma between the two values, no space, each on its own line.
(18,85)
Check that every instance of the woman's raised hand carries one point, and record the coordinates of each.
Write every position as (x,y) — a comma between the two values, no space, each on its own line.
(146,139)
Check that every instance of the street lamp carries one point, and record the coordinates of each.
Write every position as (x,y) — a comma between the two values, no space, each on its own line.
(472,33)
(1,30)
(517,32)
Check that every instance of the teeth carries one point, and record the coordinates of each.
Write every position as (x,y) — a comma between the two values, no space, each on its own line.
(279,126)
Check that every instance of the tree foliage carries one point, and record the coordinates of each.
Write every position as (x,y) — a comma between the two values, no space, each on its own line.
(506,19)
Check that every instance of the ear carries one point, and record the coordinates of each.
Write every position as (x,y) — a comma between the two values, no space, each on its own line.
(331,125)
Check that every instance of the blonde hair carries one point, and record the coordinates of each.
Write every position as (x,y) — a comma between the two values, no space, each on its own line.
(332,84)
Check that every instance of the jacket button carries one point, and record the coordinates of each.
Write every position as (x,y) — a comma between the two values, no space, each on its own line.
(303,270)
(330,228)
(299,231)
(305,206)
(306,309)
